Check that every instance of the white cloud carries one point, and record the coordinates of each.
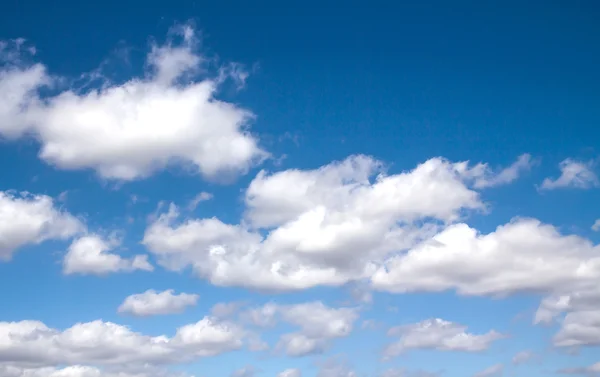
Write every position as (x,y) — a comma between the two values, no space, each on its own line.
(580,326)
(486,177)
(27,219)
(31,344)
(318,323)
(592,370)
(323,227)
(574,174)
(247,371)
(522,357)
(85,371)
(493,371)
(335,367)
(439,335)
(291,372)
(201,197)
(521,256)
(130,131)
(157,303)
(596,226)
(90,254)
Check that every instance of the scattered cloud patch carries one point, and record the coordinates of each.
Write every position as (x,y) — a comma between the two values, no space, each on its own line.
(573,174)
(90,255)
(28,219)
(152,303)
(437,334)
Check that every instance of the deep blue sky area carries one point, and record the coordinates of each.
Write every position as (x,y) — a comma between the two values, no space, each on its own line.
(400,81)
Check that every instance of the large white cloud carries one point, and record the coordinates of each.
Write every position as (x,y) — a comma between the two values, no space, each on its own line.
(157,303)
(326,226)
(27,219)
(521,256)
(32,344)
(438,334)
(131,130)
(90,254)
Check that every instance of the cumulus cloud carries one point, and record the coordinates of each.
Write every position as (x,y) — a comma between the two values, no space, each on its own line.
(521,256)
(573,174)
(31,344)
(90,254)
(326,226)
(580,325)
(318,323)
(157,303)
(493,371)
(27,219)
(438,334)
(131,130)
(596,226)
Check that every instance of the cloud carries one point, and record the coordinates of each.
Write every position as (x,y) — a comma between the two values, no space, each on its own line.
(440,335)
(485,177)
(596,226)
(247,371)
(31,344)
(132,130)
(592,370)
(201,197)
(152,303)
(318,323)
(327,226)
(521,256)
(396,372)
(580,326)
(85,371)
(27,219)
(90,254)
(291,372)
(335,366)
(522,357)
(574,174)
(493,371)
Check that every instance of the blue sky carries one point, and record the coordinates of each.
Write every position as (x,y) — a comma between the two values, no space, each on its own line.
(299,189)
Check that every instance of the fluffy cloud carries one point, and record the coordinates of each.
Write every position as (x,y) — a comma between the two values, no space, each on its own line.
(575,174)
(90,255)
(130,131)
(326,226)
(31,344)
(580,326)
(596,226)
(493,371)
(521,256)
(157,303)
(27,219)
(318,323)
(439,335)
